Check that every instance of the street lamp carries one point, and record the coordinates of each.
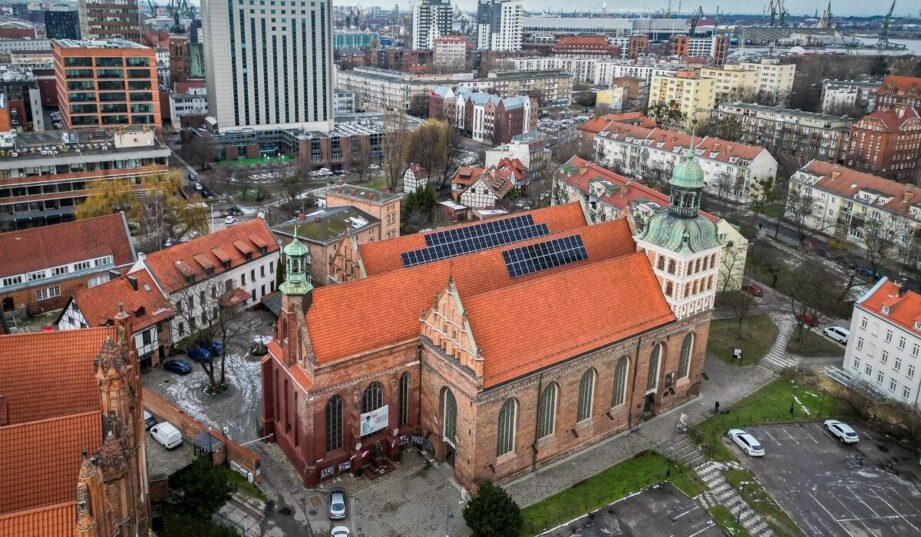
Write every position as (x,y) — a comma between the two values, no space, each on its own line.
(739,515)
(448,518)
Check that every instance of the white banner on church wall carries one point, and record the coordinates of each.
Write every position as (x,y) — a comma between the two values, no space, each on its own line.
(374,420)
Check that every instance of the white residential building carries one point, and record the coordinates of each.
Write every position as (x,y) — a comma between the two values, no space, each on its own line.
(343,102)
(431,20)
(774,78)
(884,348)
(843,94)
(268,70)
(193,103)
(499,24)
(731,170)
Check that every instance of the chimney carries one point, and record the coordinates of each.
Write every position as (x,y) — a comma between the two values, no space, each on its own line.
(835,174)
(133,282)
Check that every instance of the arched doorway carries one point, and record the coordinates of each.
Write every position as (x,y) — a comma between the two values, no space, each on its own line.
(8,304)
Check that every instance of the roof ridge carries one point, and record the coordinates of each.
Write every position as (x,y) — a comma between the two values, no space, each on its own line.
(43,421)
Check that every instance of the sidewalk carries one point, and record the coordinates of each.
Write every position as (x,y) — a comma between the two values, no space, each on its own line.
(727,384)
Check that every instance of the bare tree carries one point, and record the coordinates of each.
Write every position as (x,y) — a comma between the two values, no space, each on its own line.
(452,156)
(361,161)
(429,144)
(741,304)
(811,292)
(394,145)
(878,239)
(732,266)
(799,208)
(199,152)
(210,315)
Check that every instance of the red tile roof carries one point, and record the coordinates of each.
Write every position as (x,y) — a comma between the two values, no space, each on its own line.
(847,183)
(44,247)
(58,520)
(168,265)
(669,140)
(890,119)
(598,123)
(467,175)
(364,315)
(582,174)
(379,257)
(904,310)
(625,301)
(40,460)
(145,303)
(418,171)
(50,374)
(900,83)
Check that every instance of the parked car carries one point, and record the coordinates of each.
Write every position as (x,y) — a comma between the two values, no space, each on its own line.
(747,442)
(199,354)
(198,187)
(167,434)
(753,289)
(216,348)
(149,420)
(842,431)
(808,319)
(340,531)
(374,167)
(836,333)
(181,367)
(258,348)
(229,219)
(336,504)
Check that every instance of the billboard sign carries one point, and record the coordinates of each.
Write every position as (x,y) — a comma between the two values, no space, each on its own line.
(375,420)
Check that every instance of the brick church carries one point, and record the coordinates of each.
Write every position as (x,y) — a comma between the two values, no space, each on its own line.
(500,345)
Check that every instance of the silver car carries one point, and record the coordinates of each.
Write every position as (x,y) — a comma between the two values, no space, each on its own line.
(842,431)
(336,504)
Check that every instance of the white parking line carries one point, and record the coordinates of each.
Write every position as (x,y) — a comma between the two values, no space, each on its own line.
(784,429)
(691,510)
(806,432)
(831,516)
(698,532)
(905,500)
(772,437)
(894,510)
(853,516)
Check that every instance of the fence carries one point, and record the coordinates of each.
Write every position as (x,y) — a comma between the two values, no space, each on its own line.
(240,459)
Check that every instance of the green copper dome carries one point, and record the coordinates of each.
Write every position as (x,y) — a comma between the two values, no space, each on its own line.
(681,235)
(295,247)
(688,173)
(297,281)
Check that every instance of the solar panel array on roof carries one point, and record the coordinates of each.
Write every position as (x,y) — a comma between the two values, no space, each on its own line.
(464,240)
(545,255)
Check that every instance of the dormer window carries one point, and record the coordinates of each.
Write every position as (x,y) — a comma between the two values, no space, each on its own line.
(140,312)
(225,264)
(885,310)
(263,250)
(917,325)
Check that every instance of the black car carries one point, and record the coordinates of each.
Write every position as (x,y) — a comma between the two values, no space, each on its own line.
(149,420)
(182,367)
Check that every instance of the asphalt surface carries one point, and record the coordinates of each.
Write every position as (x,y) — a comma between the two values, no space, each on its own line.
(831,489)
(661,510)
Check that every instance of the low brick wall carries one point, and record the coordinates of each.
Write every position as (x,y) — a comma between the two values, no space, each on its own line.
(240,459)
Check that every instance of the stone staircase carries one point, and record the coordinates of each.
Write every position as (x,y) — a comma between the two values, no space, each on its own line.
(778,359)
(683,451)
(721,493)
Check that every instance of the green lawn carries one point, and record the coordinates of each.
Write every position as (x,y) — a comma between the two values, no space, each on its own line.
(246,487)
(769,404)
(758,499)
(814,344)
(773,210)
(727,520)
(758,334)
(281,159)
(609,486)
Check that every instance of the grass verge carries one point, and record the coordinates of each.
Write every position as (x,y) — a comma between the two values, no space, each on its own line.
(246,487)
(758,334)
(726,519)
(813,344)
(770,404)
(607,487)
(762,503)
(280,159)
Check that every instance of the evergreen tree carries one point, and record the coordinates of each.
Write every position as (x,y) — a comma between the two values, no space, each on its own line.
(493,513)
(200,491)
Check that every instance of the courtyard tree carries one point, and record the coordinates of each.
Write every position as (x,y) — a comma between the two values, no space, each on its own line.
(361,160)
(198,492)
(394,146)
(740,303)
(199,152)
(452,157)
(428,145)
(812,292)
(878,238)
(798,209)
(493,513)
(732,264)
(729,128)
(106,196)
(667,115)
(162,212)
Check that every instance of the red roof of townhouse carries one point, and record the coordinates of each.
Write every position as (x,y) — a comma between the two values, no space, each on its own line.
(379,257)
(137,293)
(368,314)
(598,123)
(44,247)
(848,183)
(615,189)
(418,171)
(665,140)
(203,257)
(900,83)
(892,120)
(904,308)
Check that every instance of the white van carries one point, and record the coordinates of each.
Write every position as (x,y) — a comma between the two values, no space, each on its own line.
(167,434)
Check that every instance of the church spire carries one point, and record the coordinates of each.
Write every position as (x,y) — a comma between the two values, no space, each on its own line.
(297,282)
(687,183)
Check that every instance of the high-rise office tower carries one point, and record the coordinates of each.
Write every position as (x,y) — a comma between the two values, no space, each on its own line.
(269,65)
(431,20)
(499,24)
(62,22)
(109,19)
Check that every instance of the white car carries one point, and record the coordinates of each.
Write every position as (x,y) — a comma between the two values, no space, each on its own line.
(340,531)
(841,431)
(836,333)
(167,434)
(229,219)
(747,442)
(374,167)
(198,187)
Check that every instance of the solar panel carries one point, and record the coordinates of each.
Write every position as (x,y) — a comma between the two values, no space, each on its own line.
(545,255)
(468,239)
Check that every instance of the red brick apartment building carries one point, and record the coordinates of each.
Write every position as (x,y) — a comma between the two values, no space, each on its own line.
(582,46)
(899,91)
(417,347)
(40,268)
(887,142)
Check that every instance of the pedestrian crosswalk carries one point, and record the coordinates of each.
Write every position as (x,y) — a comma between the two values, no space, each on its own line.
(722,493)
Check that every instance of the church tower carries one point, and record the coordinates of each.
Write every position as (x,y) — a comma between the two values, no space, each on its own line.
(682,245)
(291,327)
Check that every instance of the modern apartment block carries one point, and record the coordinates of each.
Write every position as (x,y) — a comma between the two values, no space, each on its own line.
(111,83)
(838,95)
(431,20)
(732,83)
(714,48)
(62,22)
(450,53)
(775,79)
(694,94)
(269,68)
(45,175)
(884,348)
(484,117)
(499,24)
(109,19)
(788,131)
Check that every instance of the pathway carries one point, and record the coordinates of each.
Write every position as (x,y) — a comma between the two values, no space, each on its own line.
(778,359)
(722,493)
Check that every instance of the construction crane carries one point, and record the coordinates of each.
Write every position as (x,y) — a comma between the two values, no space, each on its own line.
(778,12)
(826,20)
(884,31)
(694,20)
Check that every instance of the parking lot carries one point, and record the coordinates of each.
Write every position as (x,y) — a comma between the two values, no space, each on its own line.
(830,489)
(661,510)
